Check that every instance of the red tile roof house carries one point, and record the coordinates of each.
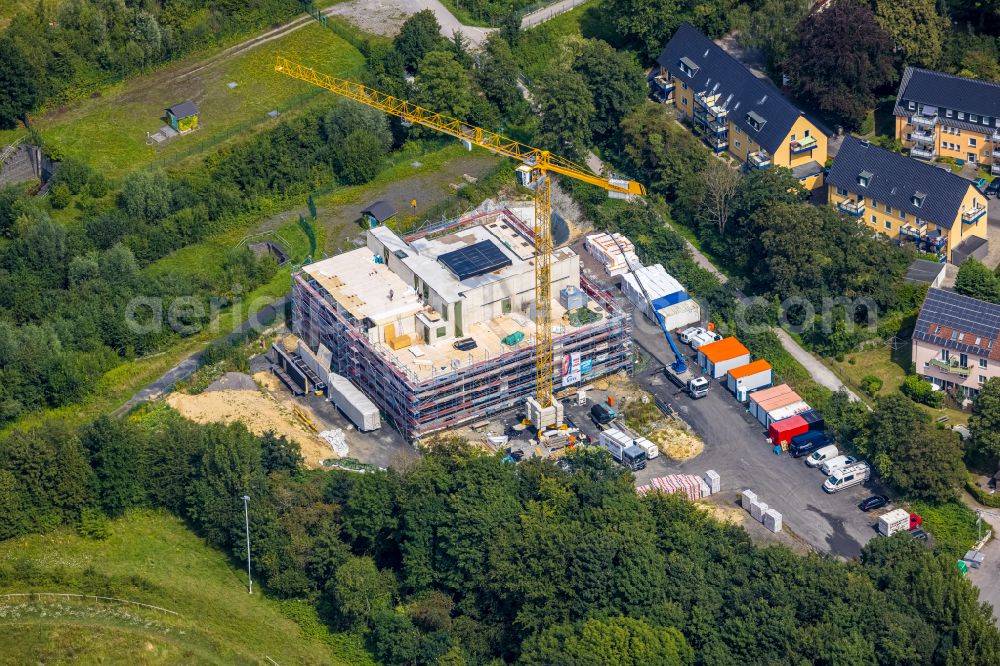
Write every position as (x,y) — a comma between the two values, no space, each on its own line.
(956,341)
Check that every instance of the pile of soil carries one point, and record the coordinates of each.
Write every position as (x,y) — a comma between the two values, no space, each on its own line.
(232,381)
(675,440)
(258,411)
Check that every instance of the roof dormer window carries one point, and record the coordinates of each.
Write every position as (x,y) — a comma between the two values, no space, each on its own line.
(864,178)
(755,120)
(918,199)
(688,66)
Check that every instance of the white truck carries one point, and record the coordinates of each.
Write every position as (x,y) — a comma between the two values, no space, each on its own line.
(623,449)
(688,381)
(897,520)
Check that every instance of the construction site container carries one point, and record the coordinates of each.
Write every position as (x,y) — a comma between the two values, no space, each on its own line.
(666,294)
(893,521)
(718,358)
(652,451)
(353,403)
(781,432)
(750,377)
(615,260)
(573,298)
(758,401)
(814,419)
(786,411)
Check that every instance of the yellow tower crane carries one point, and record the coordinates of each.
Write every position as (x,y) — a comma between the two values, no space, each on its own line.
(533,161)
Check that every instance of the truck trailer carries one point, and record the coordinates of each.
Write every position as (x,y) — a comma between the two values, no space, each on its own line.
(623,449)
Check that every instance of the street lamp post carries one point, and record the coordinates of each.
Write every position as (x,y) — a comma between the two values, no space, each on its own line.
(246,516)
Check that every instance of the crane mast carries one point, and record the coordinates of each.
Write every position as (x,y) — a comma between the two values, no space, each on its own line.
(539,164)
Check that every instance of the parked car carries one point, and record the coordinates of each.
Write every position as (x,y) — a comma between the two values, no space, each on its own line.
(873,502)
(807,442)
(847,477)
(830,466)
(688,334)
(993,189)
(465,344)
(919,534)
(822,455)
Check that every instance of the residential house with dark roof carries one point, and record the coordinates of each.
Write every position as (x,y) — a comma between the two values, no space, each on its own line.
(956,342)
(733,110)
(942,115)
(908,200)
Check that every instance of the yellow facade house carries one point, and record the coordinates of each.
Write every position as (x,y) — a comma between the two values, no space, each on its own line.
(909,201)
(734,111)
(941,115)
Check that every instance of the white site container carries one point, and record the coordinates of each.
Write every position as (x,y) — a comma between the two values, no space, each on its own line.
(615,260)
(893,521)
(750,377)
(786,412)
(748,499)
(652,451)
(667,295)
(713,480)
(772,520)
(361,411)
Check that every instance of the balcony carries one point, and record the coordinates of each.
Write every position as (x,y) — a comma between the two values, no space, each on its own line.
(925,135)
(950,366)
(913,232)
(995,136)
(924,121)
(995,153)
(970,216)
(803,145)
(759,159)
(922,153)
(995,169)
(851,207)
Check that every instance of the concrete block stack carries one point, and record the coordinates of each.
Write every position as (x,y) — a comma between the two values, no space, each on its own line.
(771,520)
(713,480)
(757,510)
(748,498)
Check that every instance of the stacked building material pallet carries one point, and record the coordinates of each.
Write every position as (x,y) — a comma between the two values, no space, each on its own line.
(669,299)
(693,486)
(616,257)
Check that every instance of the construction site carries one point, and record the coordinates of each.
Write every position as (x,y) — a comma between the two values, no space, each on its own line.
(437,328)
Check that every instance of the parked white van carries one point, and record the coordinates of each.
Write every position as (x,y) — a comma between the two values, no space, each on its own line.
(833,464)
(688,334)
(820,456)
(847,477)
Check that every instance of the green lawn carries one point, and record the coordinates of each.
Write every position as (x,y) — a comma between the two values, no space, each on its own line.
(109,132)
(150,558)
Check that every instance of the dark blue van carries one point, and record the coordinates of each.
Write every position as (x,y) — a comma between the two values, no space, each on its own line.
(807,442)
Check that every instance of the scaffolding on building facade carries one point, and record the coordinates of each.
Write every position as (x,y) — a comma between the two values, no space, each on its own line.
(465,392)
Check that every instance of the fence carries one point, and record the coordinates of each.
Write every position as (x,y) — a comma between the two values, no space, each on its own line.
(86,596)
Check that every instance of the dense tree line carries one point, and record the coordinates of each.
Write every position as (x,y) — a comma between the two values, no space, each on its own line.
(62,50)
(65,290)
(465,559)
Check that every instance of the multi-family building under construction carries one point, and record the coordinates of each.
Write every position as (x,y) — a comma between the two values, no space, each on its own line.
(437,327)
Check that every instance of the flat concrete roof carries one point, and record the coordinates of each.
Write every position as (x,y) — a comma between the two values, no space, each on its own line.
(426,361)
(365,288)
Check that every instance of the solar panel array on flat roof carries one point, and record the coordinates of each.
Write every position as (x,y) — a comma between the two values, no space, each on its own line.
(971,318)
(476,259)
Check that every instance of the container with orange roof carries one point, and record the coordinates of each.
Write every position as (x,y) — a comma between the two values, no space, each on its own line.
(750,377)
(718,358)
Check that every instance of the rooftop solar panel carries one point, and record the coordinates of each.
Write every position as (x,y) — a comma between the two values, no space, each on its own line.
(476,259)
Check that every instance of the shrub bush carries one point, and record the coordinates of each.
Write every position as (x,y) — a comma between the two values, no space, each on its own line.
(871,384)
(920,391)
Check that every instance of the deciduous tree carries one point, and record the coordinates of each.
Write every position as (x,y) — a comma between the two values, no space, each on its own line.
(841,57)
(567,109)
(915,27)
(419,35)
(19,90)
(976,280)
(616,82)
(984,424)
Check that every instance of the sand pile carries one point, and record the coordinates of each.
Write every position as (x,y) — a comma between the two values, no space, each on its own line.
(258,411)
(675,440)
(724,514)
